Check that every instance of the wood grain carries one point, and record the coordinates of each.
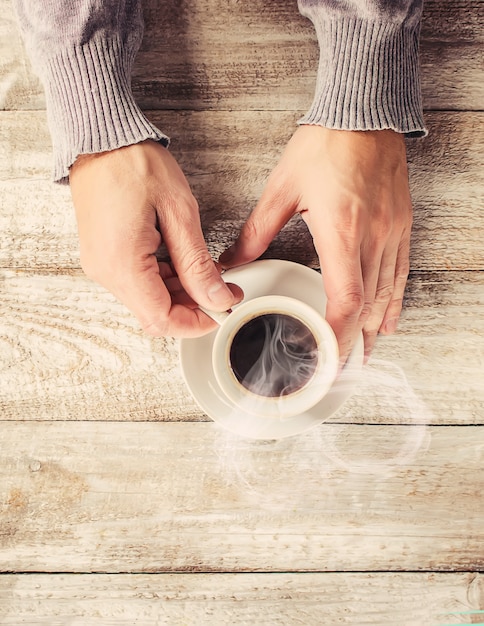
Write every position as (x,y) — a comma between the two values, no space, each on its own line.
(263,55)
(227,157)
(105,463)
(69,351)
(19,87)
(413,599)
(123,497)
(259,55)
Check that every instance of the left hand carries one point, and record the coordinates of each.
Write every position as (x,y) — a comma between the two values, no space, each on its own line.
(351,188)
(128,201)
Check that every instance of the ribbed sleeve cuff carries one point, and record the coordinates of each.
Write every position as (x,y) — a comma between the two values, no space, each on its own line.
(368,77)
(90,103)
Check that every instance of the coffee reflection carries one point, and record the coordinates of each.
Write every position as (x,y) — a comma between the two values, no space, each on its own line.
(274,355)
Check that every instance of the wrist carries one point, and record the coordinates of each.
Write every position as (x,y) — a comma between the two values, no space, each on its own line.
(368,77)
(90,105)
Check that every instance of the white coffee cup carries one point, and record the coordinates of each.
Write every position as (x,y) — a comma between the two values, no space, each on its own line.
(274,356)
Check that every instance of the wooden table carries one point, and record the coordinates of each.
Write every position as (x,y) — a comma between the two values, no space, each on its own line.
(120,501)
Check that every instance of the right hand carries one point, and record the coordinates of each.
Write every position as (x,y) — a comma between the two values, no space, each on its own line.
(128,201)
(351,188)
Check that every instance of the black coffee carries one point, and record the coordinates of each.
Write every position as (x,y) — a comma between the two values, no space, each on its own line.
(273,355)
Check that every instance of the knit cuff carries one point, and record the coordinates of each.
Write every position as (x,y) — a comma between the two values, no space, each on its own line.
(90,104)
(368,77)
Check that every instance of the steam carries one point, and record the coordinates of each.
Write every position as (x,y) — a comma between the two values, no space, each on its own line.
(304,470)
(274,355)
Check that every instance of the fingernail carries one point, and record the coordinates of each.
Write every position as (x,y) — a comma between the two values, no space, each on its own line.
(226,256)
(219,294)
(391,325)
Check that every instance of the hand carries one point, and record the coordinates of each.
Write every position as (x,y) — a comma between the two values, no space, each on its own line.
(127,202)
(351,188)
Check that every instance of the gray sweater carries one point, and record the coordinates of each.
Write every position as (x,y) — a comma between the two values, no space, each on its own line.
(83,51)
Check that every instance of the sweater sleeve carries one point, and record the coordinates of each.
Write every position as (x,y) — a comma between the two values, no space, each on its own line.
(368,76)
(83,51)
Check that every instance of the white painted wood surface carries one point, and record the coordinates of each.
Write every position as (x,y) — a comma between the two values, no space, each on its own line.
(259,55)
(106,463)
(227,157)
(124,497)
(241,599)
(66,343)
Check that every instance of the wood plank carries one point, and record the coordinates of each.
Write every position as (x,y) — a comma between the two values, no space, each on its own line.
(69,351)
(125,498)
(258,55)
(19,86)
(234,56)
(267,599)
(227,157)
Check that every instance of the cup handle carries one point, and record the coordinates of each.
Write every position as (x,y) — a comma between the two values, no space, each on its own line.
(217,316)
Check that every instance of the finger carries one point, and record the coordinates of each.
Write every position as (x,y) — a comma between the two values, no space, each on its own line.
(340,261)
(166,270)
(180,296)
(147,296)
(194,266)
(383,295)
(273,211)
(394,307)
(343,281)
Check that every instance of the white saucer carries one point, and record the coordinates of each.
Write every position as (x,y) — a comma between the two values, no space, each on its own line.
(261,278)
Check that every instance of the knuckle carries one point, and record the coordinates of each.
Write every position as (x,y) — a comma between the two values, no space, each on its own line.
(255,230)
(370,332)
(383,293)
(351,303)
(401,277)
(190,203)
(369,340)
(250,230)
(395,307)
(403,270)
(197,262)
(365,312)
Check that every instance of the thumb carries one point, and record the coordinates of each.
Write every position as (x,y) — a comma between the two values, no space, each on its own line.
(196,269)
(273,211)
